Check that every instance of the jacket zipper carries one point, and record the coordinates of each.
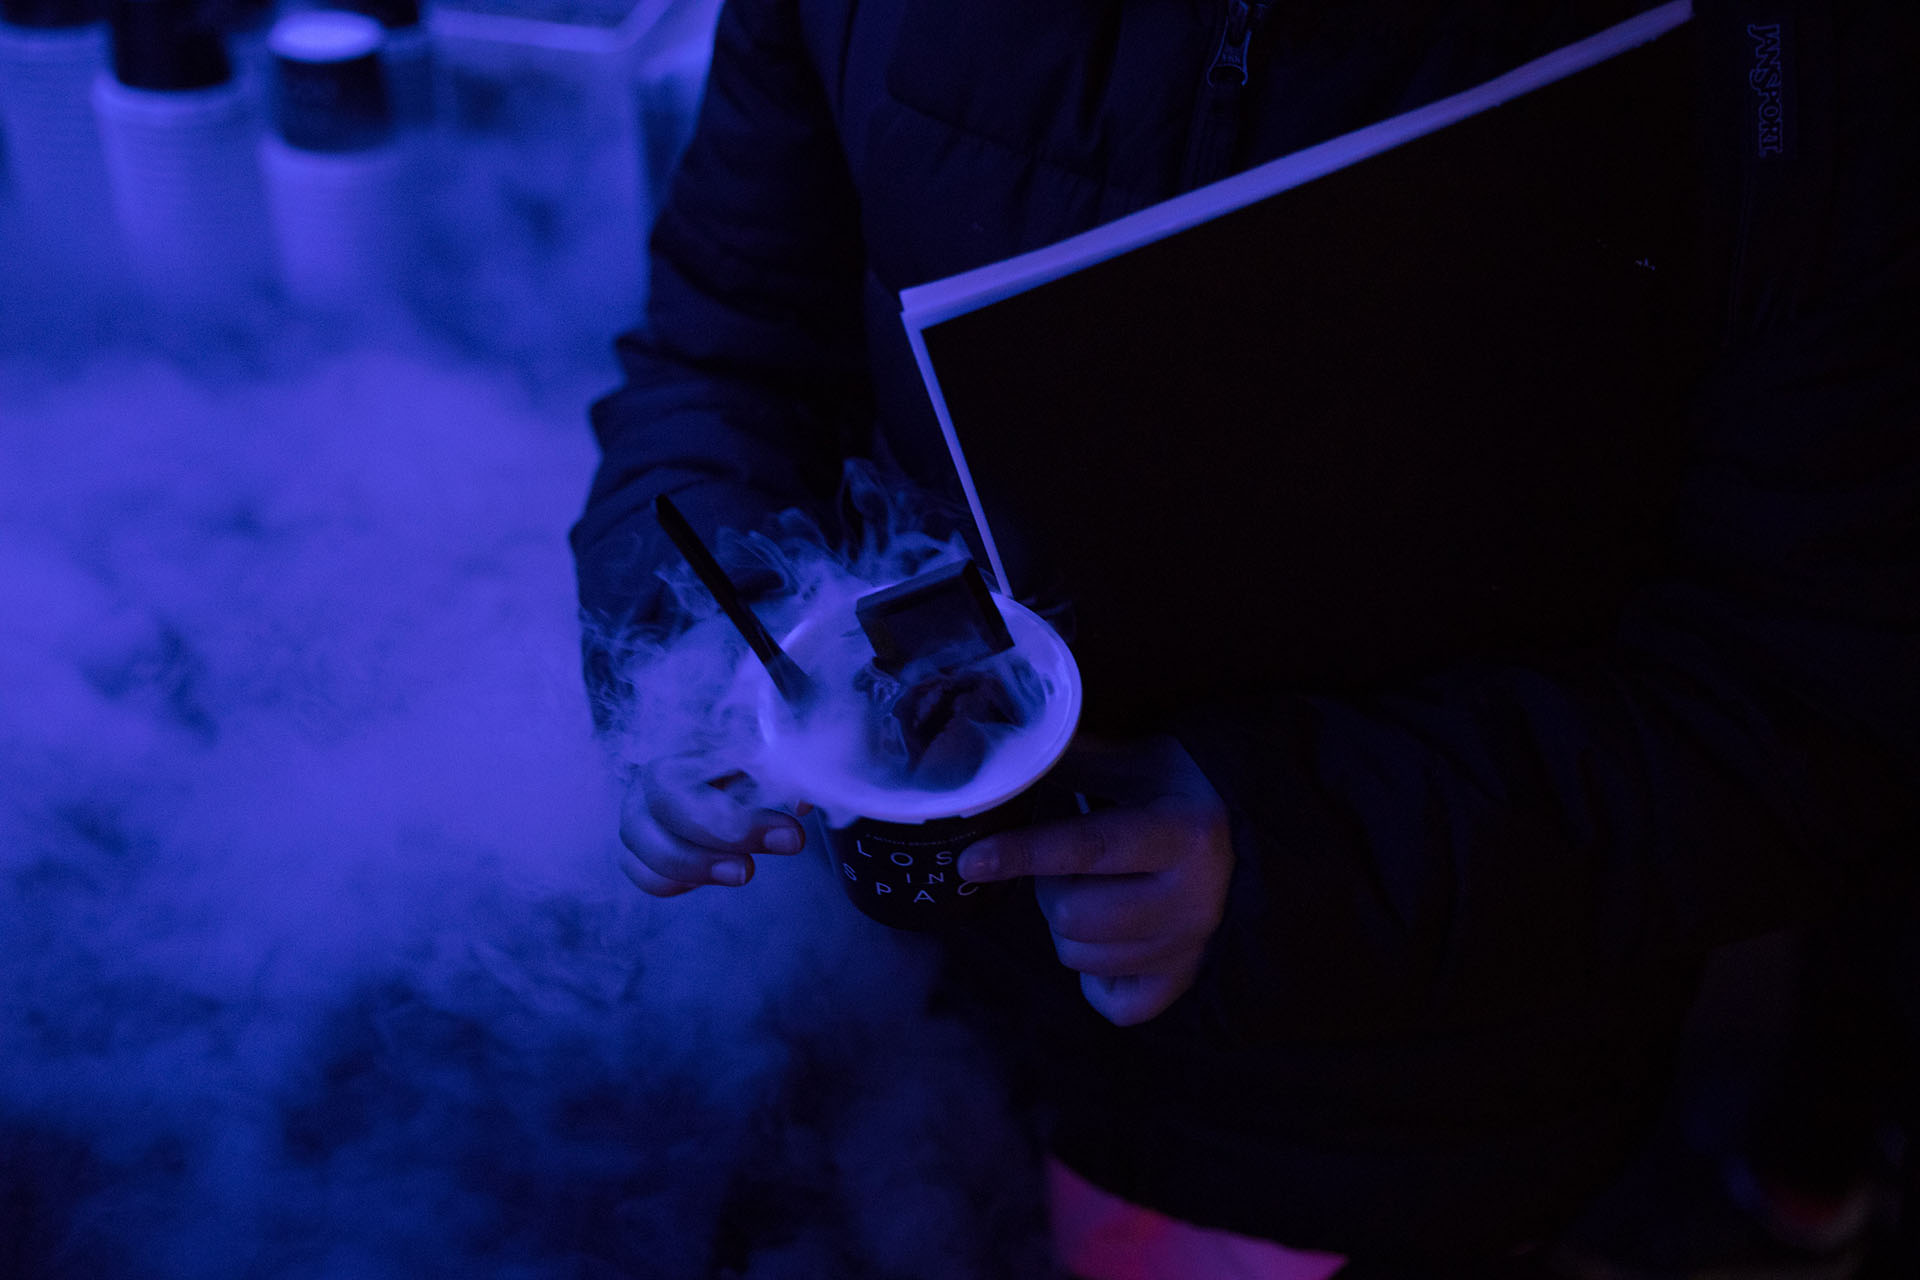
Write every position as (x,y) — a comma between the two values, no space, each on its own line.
(1216,126)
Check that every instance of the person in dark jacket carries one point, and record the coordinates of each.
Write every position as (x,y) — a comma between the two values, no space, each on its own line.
(1388,966)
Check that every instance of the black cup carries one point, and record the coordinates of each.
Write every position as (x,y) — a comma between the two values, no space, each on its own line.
(902,868)
(907,874)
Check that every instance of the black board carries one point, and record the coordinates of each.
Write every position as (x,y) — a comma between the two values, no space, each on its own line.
(1419,407)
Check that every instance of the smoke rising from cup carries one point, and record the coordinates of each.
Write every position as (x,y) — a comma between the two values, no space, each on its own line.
(691,688)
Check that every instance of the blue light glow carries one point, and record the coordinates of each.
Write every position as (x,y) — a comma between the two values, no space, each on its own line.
(315,961)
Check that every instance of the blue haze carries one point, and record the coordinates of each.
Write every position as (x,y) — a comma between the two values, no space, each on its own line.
(314,961)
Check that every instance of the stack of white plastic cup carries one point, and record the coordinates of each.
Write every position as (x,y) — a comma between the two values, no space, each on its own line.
(180,138)
(51,51)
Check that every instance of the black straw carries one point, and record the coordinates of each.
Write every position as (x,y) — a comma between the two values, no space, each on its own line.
(793,683)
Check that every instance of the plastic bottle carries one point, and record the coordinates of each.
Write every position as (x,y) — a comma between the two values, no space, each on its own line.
(408,58)
(336,171)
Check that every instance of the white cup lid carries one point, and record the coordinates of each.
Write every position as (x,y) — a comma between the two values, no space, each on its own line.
(1017,764)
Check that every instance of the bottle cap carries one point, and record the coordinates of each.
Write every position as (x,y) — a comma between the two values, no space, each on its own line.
(331,93)
(52,13)
(166,44)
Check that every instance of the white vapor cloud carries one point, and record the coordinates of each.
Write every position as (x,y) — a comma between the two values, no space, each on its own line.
(316,962)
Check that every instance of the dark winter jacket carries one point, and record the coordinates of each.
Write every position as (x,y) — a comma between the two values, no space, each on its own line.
(1472,889)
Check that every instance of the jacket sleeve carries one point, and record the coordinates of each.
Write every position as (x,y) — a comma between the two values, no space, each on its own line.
(1490,842)
(745,386)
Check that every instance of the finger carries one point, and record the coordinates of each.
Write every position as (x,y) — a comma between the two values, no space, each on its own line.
(649,881)
(1111,843)
(706,816)
(1129,1001)
(672,858)
(765,830)
(1103,908)
(703,814)
(1145,957)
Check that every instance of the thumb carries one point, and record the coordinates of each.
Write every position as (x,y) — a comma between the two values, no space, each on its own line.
(1136,998)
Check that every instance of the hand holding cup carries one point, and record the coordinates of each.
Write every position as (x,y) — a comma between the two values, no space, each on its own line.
(684,827)
(1133,893)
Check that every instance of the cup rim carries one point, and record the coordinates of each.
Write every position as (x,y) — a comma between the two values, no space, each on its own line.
(999,781)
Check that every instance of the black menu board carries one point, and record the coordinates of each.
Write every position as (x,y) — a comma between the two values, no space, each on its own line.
(1405,397)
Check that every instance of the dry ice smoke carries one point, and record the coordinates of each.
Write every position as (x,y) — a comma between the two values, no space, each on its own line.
(314,963)
(936,724)
(690,687)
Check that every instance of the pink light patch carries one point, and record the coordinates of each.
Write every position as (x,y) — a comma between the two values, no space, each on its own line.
(1099,1236)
